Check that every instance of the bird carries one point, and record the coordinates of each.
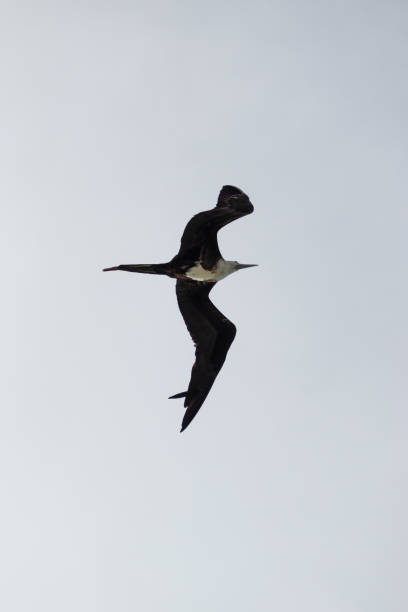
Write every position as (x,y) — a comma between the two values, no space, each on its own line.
(197,268)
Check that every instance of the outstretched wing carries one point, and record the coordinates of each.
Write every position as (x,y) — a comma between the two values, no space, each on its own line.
(199,239)
(212,334)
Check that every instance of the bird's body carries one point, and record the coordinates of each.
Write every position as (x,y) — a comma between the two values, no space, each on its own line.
(221,269)
(198,266)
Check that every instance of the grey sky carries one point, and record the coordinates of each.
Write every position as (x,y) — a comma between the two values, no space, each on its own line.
(289,490)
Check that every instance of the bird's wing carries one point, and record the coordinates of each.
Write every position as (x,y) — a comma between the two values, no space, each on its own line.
(212,334)
(199,239)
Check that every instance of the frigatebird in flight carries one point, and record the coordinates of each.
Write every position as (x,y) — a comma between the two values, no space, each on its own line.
(198,266)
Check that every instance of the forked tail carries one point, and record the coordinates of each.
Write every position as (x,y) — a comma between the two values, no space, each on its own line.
(141,268)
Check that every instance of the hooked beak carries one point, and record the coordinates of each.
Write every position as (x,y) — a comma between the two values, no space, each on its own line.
(241,266)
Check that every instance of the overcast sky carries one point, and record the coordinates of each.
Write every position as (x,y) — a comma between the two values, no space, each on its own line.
(288,492)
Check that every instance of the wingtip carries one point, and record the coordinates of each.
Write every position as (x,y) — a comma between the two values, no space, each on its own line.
(185,423)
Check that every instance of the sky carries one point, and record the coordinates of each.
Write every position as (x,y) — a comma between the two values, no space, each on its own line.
(289,490)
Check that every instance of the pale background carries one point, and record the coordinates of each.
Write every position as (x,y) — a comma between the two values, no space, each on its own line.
(288,492)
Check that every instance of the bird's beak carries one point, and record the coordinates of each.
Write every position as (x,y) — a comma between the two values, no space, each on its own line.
(240,266)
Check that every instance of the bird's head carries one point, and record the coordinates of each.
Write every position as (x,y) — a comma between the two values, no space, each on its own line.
(232,197)
(240,266)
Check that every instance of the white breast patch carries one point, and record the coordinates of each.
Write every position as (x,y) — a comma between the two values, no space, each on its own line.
(220,271)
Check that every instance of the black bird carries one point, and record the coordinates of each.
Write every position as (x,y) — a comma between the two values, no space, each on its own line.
(198,266)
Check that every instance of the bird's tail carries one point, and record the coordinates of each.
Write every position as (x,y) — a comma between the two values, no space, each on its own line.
(182,394)
(142,268)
